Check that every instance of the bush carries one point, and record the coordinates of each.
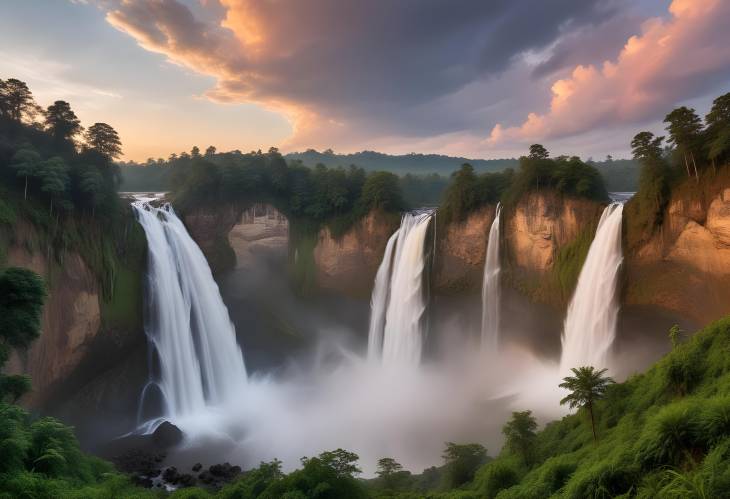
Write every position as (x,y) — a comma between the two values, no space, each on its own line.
(670,436)
(605,479)
(496,476)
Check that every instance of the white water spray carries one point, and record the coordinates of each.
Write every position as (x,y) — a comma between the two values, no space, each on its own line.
(491,288)
(200,362)
(590,326)
(398,303)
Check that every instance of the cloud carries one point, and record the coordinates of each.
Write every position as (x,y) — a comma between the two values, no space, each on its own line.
(671,60)
(354,69)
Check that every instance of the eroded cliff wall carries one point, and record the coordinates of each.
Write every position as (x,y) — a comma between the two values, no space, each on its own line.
(86,329)
(684,265)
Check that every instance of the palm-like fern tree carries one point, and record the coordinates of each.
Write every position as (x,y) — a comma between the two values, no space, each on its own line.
(586,387)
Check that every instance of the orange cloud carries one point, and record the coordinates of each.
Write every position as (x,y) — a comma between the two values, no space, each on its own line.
(669,61)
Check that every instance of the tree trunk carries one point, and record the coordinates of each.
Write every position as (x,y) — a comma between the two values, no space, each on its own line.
(593,423)
(51,211)
(25,192)
(686,165)
(697,176)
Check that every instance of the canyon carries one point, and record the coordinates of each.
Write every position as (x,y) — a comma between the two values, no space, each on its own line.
(681,269)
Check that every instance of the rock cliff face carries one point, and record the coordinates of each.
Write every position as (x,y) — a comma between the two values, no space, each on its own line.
(462,248)
(348,264)
(684,266)
(539,230)
(209,226)
(83,334)
(71,316)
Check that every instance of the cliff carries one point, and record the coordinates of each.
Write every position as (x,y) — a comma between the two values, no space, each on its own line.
(348,264)
(461,250)
(92,318)
(319,259)
(546,239)
(684,265)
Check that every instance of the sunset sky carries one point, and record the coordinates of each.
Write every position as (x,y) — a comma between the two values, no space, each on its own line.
(464,77)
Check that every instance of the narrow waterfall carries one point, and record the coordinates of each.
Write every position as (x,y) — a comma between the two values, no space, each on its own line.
(491,288)
(398,302)
(379,300)
(188,324)
(590,326)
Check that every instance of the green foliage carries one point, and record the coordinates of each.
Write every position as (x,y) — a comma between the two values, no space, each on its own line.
(586,387)
(520,436)
(468,192)
(496,476)
(461,462)
(382,191)
(254,482)
(566,175)
(330,475)
(22,294)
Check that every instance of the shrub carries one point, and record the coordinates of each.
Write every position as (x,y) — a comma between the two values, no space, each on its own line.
(670,436)
(497,476)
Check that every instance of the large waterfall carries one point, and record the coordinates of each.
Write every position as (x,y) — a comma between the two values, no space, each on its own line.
(491,289)
(398,302)
(590,326)
(200,362)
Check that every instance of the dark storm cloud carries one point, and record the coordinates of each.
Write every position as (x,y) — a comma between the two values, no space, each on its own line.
(351,62)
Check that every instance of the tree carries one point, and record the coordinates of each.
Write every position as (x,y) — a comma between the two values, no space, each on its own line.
(210,151)
(461,462)
(646,146)
(675,335)
(27,164)
(195,152)
(22,294)
(92,184)
(388,466)
(341,461)
(586,387)
(391,473)
(718,129)
(104,139)
(62,122)
(537,151)
(16,101)
(382,190)
(54,178)
(520,434)
(685,132)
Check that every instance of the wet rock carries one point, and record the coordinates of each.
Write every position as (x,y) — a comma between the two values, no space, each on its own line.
(186,480)
(167,435)
(171,475)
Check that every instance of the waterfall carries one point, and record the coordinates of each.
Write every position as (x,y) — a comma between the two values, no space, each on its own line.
(590,326)
(188,324)
(379,300)
(491,289)
(398,302)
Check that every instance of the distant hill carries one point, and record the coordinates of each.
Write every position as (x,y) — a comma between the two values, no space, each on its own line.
(401,164)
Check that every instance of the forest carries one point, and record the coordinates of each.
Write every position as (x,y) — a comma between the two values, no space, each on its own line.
(664,433)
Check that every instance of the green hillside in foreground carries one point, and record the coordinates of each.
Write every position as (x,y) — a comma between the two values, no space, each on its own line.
(661,434)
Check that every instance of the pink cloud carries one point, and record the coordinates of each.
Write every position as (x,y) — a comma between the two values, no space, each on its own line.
(671,60)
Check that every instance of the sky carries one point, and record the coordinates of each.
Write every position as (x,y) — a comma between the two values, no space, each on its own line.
(473,78)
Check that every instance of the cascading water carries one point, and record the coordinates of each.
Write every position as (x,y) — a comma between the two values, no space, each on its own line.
(590,326)
(491,288)
(188,324)
(379,300)
(398,303)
